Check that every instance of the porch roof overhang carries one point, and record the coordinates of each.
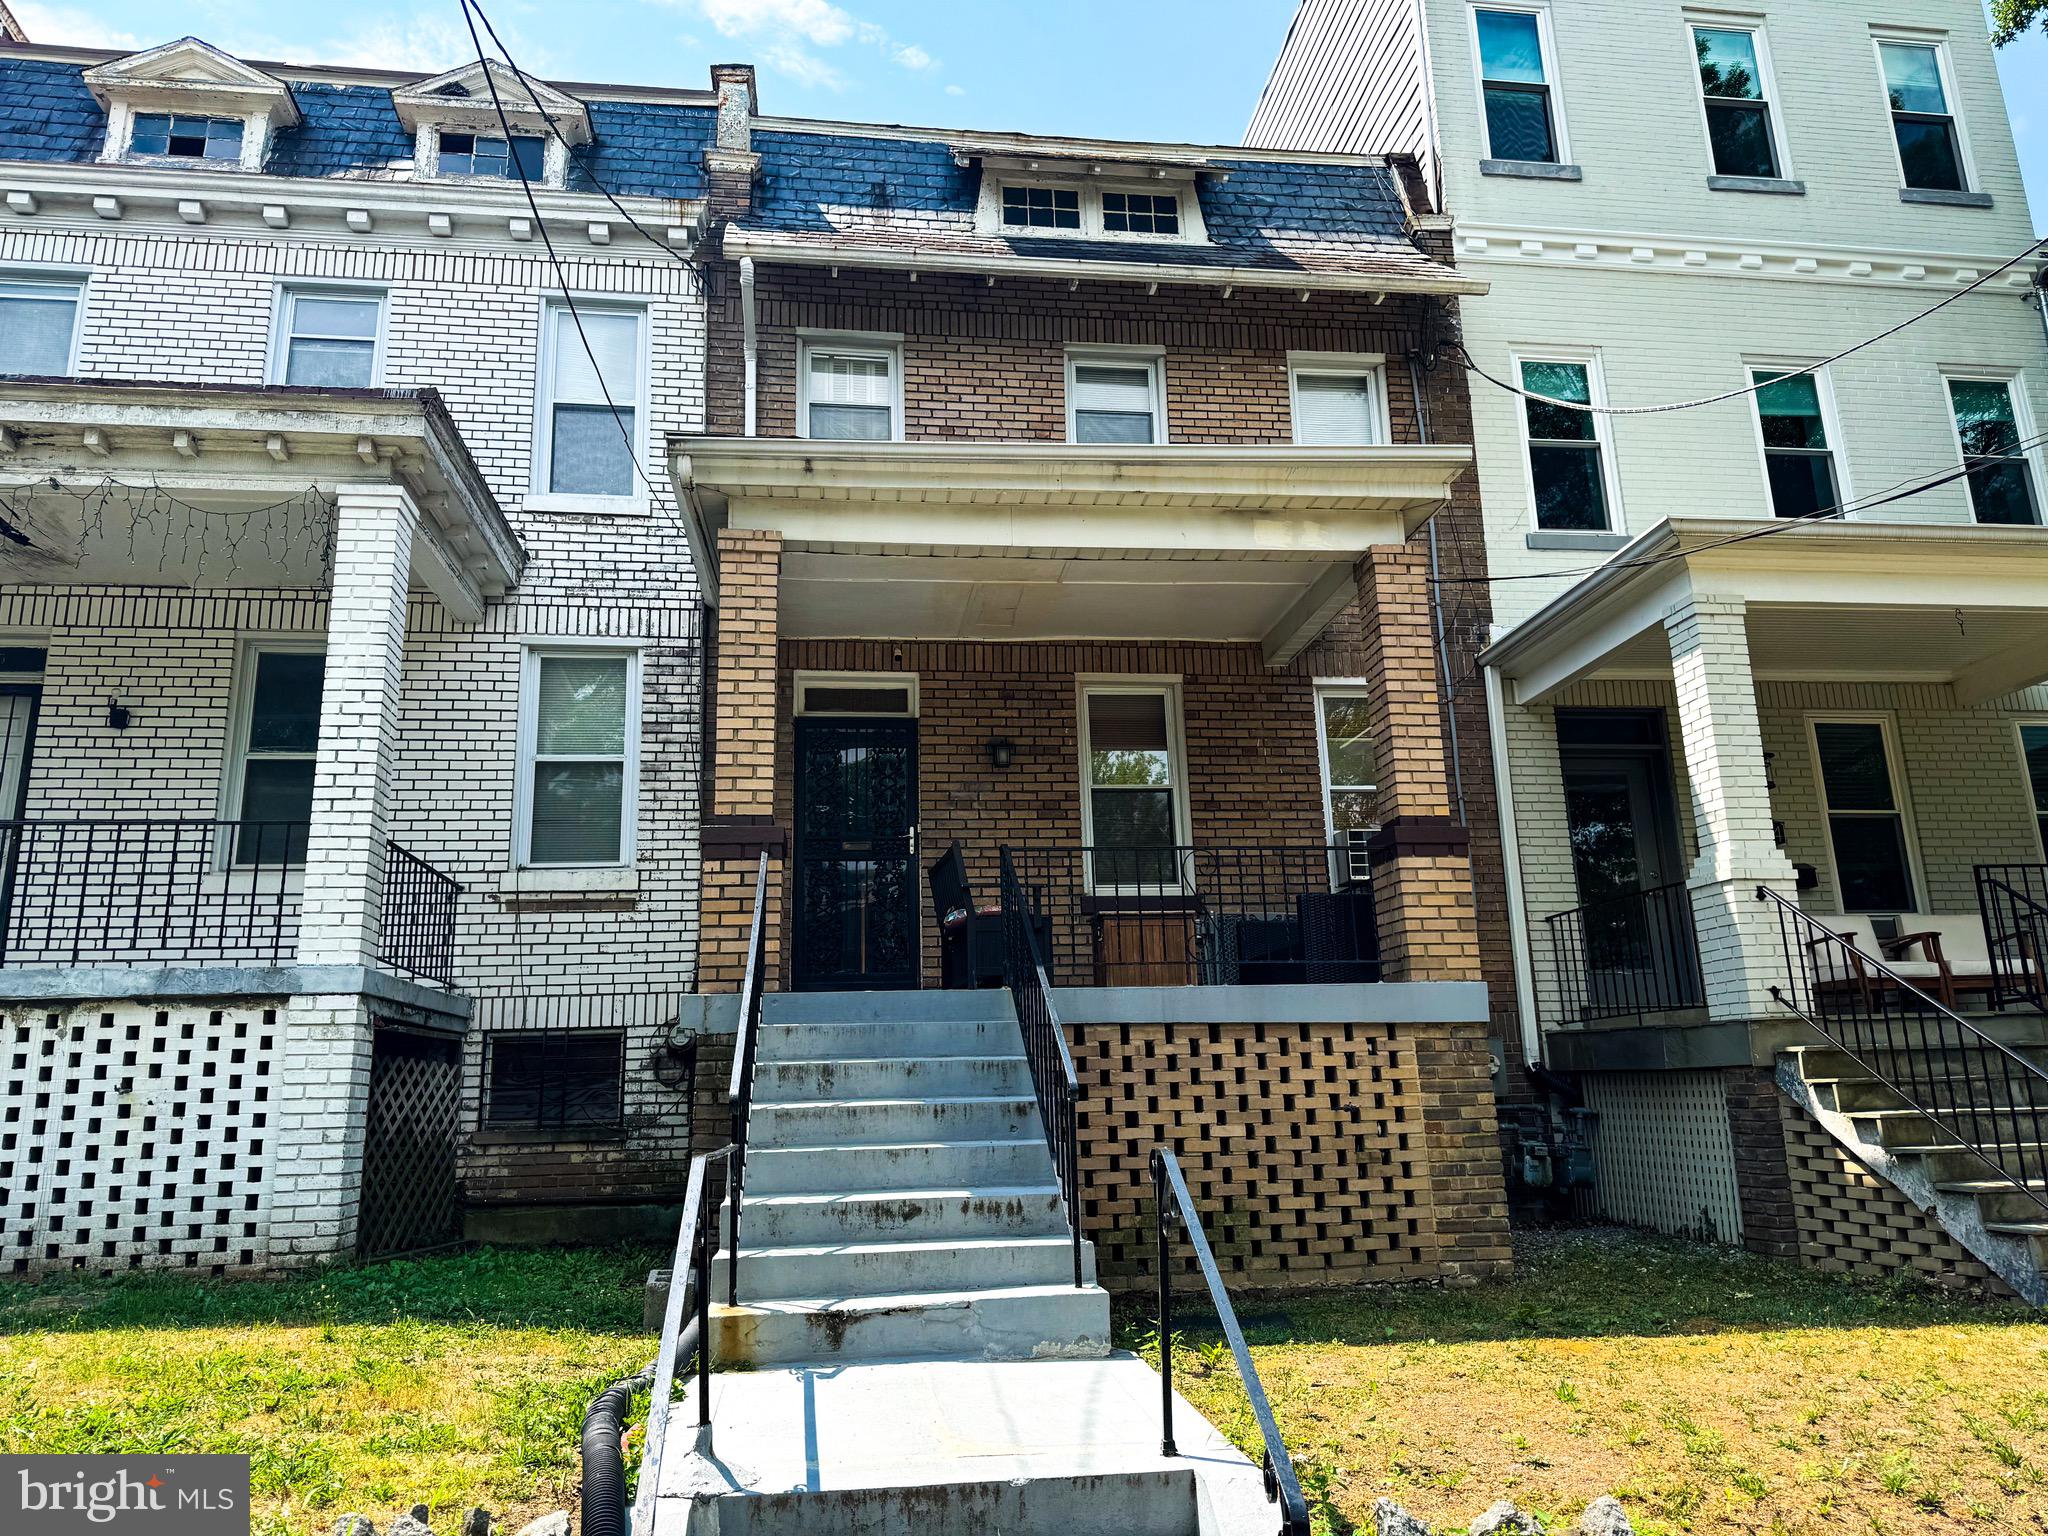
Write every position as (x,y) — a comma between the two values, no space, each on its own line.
(1957,604)
(232,447)
(1027,541)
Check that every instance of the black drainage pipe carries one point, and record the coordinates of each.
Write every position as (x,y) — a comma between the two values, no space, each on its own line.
(604,1509)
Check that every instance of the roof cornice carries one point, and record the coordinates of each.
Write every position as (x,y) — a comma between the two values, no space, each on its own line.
(1127,150)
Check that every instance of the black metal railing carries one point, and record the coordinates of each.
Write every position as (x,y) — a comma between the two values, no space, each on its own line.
(1053,1079)
(1991,1100)
(418,934)
(1265,915)
(150,890)
(740,1092)
(685,1328)
(1173,1204)
(2013,901)
(1628,957)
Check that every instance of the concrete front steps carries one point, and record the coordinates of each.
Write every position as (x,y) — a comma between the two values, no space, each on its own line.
(900,1201)
(1985,1212)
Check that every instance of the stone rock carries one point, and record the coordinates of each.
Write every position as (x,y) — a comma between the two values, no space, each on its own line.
(354,1525)
(556,1524)
(1605,1517)
(1390,1519)
(1503,1519)
(408,1525)
(478,1522)
(421,1513)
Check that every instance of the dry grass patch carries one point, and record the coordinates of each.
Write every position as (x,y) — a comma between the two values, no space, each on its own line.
(1713,1392)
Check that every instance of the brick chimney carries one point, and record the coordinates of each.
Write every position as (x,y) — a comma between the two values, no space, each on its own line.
(730,163)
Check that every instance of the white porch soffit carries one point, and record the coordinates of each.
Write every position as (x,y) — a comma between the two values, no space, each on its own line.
(1944,603)
(1028,541)
(240,446)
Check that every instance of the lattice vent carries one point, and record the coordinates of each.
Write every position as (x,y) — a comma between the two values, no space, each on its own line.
(1663,1154)
(410,1197)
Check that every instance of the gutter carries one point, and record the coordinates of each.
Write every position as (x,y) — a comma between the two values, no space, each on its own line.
(749,345)
(1511,867)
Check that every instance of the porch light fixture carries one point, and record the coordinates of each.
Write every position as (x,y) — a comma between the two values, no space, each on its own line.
(117,715)
(1001,752)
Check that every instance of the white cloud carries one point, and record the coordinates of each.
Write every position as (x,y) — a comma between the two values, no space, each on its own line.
(62,24)
(910,56)
(956,90)
(427,44)
(817,22)
(792,36)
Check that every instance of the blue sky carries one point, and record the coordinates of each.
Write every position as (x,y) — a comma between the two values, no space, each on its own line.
(1151,69)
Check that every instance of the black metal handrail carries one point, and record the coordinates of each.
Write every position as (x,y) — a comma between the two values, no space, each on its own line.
(1628,956)
(1267,914)
(2012,899)
(1053,1079)
(740,1091)
(1990,1099)
(1172,1203)
(150,890)
(418,933)
(689,1291)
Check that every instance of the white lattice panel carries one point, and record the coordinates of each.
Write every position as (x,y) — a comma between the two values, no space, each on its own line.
(136,1137)
(1663,1155)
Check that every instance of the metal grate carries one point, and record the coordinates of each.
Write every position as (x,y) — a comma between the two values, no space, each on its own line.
(410,1199)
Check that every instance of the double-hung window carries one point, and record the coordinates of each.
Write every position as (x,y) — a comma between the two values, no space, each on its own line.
(1866,819)
(1733,86)
(1799,461)
(178,136)
(1995,453)
(277,741)
(592,371)
(579,737)
(38,327)
(329,338)
(850,391)
(556,1082)
(522,158)
(1133,783)
(1350,773)
(1114,399)
(1923,117)
(1338,401)
(2034,760)
(1514,81)
(1567,448)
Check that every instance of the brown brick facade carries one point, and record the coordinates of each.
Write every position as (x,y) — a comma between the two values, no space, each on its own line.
(1769,1217)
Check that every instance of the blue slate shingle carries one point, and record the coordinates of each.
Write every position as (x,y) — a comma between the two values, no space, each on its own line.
(644,149)
(46,113)
(347,130)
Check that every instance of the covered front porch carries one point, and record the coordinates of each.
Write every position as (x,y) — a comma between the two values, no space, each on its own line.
(1842,717)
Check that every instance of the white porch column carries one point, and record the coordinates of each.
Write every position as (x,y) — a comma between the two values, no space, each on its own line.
(342,915)
(1741,952)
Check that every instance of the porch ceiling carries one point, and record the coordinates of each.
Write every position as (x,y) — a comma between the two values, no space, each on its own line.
(1923,603)
(119,482)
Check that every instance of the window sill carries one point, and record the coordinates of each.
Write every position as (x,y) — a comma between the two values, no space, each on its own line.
(1943,199)
(1769,184)
(589,506)
(1573,539)
(1532,170)
(568,881)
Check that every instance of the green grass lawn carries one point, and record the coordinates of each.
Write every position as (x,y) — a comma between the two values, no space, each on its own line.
(448,1381)
(1713,1392)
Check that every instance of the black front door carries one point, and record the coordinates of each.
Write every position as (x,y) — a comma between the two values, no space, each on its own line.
(855,924)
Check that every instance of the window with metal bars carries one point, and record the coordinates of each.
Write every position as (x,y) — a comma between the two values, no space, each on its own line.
(558,1082)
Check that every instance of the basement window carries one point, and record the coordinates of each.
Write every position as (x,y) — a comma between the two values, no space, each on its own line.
(559,1082)
(179,137)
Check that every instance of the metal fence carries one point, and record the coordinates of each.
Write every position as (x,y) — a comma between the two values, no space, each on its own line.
(419,917)
(2013,900)
(1630,957)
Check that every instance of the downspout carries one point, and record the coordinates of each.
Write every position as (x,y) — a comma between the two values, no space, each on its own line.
(1436,604)
(1511,862)
(749,349)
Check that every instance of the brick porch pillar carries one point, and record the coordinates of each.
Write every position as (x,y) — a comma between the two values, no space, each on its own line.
(1741,953)
(741,823)
(1421,870)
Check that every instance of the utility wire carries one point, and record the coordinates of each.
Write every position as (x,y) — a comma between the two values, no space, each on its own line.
(1753,387)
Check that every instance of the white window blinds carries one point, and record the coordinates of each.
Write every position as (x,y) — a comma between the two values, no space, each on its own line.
(1336,408)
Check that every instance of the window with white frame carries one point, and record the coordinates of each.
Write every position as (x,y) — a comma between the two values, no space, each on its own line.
(329,337)
(1995,451)
(1141,213)
(851,390)
(2034,763)
(1515,84)
(182,136)
(1916,87)
(1735,89)
(1350,763)
(276,746)
(1866,820)
(592,368)
(1114,398)
(523,157)
(1338,401)
(1116,205)
(1799,459)
(38,326)
(1029,207)
(1133,781)
(579,741)
(1568,468)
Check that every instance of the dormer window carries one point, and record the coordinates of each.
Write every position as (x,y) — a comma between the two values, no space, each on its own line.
(187,138)
(460,120)
(471,154)
(1041,208)
(1069,194)
(1140,213)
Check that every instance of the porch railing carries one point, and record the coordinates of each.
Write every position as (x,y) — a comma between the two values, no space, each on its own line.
(149,890)
(1629,957)
(1053,1079)
(1256,915)
(419,917)
(2013,900)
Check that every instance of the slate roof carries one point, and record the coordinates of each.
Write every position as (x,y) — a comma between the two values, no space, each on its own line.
(640,149)
(907,195)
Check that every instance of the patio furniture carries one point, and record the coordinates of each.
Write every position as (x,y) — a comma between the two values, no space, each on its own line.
(971,936)
(1955,944)
(1915,954)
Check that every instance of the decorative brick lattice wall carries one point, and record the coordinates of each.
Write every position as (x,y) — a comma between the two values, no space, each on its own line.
(137,1137)
(1319,1154)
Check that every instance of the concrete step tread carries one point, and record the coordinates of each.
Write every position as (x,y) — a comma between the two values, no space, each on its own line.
(856,1196)
(1922,1114)
(1988,1186)
(800,1306)
(894,1146)
(909,1247)
(947,1101)
(979,1059)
